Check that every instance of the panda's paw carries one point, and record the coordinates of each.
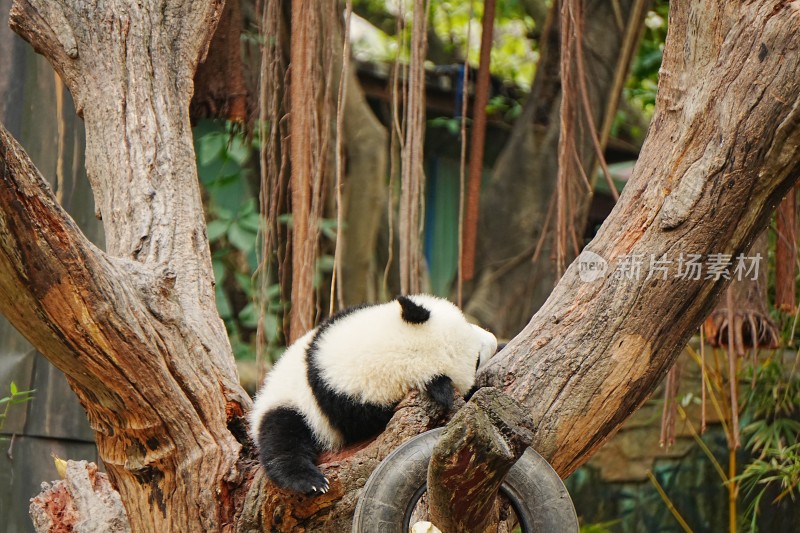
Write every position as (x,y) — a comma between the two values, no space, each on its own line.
(313,484)
(306,481)
(321,489)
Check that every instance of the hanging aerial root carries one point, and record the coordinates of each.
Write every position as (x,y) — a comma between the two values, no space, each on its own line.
(751,329)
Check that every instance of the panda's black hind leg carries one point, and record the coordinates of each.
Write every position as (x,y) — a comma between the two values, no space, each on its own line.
(288,451)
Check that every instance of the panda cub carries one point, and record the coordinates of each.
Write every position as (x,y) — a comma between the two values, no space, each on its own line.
(340,382)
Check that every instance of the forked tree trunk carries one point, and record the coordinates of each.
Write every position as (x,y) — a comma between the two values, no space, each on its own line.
(135,328)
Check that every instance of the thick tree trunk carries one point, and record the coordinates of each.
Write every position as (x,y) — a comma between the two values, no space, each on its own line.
(135,329)
(365,195)
(723,149)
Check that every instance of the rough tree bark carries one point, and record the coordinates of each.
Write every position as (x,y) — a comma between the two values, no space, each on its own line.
(220,89)
(134,329)
(480,445)
(723,149)
(786,253)
(136,332)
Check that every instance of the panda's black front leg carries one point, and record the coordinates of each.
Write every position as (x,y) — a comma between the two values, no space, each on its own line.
(288,451)
(441,389)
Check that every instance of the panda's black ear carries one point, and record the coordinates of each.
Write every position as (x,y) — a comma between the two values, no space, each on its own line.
(411,312)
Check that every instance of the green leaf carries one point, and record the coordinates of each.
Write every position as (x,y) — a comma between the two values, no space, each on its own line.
(325,263)
(229,193)
(248,316)
(249,207)
(454,127)
(327,227)
(242,238)
(245,283)
(229,176)
(272,326)
(252,259)
(243,350)
(274,292)
(17,401)
(238,150)
(251,221)
(13,389)
(219,270)
(221,213)
(223,304)
(216,229)
(210,147)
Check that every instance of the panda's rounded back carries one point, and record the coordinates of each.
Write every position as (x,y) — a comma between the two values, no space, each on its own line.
(374,355)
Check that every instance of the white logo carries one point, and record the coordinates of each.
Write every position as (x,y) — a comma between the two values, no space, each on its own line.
(591,266)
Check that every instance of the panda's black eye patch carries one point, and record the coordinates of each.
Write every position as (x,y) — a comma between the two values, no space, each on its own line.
(412,312)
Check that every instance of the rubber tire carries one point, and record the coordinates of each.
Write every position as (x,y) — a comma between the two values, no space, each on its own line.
(537,494)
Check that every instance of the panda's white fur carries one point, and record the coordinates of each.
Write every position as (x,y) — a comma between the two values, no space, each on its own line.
(368,357)
(286,386)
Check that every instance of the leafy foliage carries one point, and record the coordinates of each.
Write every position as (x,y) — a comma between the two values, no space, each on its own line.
(601,527)
(640,88)
(224,161)
(642,83)
(773,408)
(15,397)
(514,54)
(233,225)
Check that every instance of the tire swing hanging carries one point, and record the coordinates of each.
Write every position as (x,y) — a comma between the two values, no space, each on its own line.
(534,490)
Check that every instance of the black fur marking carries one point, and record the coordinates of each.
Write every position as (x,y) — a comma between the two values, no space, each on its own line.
(288,451)
(355,420)
(412,312)
(341,314)
(471,392)
(441,390)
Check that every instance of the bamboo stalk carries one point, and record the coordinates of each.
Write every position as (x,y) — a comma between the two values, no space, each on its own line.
(732,490)
(703,446)
(668,502)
